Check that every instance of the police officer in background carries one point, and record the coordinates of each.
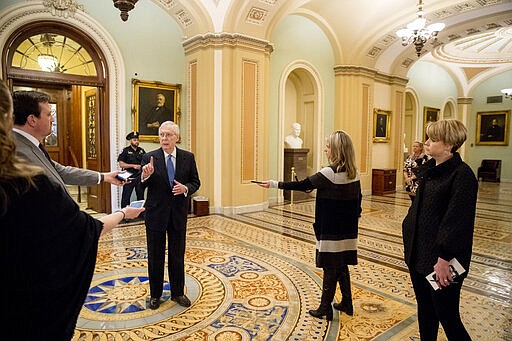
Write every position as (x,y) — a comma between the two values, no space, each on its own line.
(129,160)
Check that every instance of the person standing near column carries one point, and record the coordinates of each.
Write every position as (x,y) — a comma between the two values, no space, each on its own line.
(439,227)
(337,211)
(170,175)
(129,160)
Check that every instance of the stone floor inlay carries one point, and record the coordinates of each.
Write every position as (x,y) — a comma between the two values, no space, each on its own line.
(252,277)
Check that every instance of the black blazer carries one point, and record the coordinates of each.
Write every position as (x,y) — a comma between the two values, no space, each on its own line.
(441,219)
(160,203)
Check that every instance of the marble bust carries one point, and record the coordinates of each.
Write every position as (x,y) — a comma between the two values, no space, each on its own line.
(293,140)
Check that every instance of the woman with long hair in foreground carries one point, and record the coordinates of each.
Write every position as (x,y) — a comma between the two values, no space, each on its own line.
(49,245)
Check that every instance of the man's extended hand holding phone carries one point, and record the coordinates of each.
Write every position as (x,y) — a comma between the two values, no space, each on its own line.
(124,176)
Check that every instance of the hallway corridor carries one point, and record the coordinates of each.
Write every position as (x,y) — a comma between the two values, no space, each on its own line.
(252,277)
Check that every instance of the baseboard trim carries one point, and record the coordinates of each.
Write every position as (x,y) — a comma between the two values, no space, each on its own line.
(231,210)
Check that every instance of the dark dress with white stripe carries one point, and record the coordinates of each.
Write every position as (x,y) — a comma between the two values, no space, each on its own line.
(337,211)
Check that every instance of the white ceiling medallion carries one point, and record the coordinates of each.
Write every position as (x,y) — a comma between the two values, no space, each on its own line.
(492,47)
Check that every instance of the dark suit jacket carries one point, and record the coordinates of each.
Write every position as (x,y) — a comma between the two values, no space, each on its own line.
(160,201)
(63,175)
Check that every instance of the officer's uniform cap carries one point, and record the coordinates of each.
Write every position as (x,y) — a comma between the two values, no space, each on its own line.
(132,135)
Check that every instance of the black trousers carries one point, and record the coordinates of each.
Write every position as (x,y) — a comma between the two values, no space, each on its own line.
(436,306)
(128,189)
(175,260)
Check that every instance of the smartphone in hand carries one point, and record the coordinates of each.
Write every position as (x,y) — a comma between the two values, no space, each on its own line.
(137,204)
(124,176)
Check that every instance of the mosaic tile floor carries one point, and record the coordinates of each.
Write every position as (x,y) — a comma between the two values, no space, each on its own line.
(252,277)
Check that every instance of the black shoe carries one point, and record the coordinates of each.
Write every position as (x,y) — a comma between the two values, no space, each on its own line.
(345,307)
(321,312)
(154,303)
(182,300)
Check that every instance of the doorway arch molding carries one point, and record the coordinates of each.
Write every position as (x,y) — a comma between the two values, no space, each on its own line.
(417,116)
(20,15)
(319,89)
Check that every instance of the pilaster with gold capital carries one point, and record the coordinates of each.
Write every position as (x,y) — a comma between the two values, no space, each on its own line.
(227,102)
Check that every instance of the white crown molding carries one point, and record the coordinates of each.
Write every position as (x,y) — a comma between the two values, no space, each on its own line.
(224,39)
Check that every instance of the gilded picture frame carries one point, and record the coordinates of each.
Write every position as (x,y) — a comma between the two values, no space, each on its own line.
(153,103)
(492,128)
(429,115)
(381,125)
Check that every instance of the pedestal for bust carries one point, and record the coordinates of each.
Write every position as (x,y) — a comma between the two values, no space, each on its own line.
(295,157)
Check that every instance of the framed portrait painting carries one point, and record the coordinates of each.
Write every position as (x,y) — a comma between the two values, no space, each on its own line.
(154,103)
(381,125)
(492,128)
(429,115)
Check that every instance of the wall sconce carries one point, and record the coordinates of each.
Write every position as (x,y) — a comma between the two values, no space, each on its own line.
(507,93)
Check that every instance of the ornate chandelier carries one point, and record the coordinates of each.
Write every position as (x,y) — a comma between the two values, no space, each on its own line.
(125,6)
(416,33)
(47,62)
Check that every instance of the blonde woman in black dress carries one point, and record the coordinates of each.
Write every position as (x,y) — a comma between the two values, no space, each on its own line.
(337,211)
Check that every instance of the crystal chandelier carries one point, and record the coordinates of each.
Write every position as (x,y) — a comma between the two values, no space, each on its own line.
(416,33)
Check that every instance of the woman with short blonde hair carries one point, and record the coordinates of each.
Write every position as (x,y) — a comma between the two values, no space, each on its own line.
(450,131)
(439,228)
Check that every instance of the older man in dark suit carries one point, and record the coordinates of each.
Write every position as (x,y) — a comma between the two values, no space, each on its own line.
(170,175)
(32,123)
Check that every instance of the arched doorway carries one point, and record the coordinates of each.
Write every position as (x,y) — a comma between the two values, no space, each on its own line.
(61,60)
(449,110)
(301,101)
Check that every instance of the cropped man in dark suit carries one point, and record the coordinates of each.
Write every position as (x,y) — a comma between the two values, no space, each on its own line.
(170,175)
(32,123)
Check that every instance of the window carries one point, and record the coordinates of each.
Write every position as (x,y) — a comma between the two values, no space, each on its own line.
(53,52)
